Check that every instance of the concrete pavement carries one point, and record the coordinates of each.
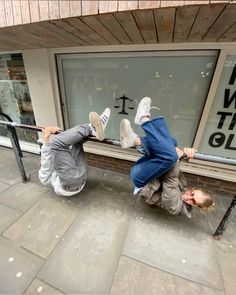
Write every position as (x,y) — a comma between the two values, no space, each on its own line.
(105,241)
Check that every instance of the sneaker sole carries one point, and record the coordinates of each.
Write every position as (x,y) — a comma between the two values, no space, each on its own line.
(96,122)
(123,134)
(137,118)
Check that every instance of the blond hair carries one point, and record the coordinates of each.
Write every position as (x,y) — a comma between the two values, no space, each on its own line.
(208,203)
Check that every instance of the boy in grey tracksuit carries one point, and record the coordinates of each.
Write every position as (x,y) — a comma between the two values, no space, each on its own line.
(63,163)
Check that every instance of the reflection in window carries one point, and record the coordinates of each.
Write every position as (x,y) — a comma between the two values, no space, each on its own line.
(14,95)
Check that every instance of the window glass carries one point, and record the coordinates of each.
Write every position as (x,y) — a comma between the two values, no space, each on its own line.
(14,95)
(219,136)
(178,84)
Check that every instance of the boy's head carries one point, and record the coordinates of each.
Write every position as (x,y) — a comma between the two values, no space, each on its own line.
(199,197)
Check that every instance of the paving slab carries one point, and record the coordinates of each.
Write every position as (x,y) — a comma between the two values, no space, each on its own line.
(174,244)
(227,262)
(23,196)
(86,258)
(18,267)
(7,217)
(40,228)
(133,277)
(10,173)
(40,287)
(3,186)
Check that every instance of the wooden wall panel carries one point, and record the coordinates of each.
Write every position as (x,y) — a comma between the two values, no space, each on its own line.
(108,6)
(222,24)
(16,12)
(25,11)
(165,20)
(3,22)
(34,11)
(64,7)
(89,7)
(204,20)
(146,25)
(9,13)
(75,8)
(43,10)
(53,7)
(171,3)
(96,25)
(185,16)
(129,25)
(127,5)
(149,4)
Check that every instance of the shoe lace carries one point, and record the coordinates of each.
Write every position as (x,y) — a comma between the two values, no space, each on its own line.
(154,108)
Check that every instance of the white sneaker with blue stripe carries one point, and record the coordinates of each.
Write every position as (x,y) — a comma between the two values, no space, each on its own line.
(99,123)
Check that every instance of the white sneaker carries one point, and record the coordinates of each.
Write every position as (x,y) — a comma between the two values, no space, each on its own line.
(99,123)
(127,135)
(143,110)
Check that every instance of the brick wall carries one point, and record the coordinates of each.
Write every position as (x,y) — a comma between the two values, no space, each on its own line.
(123,166)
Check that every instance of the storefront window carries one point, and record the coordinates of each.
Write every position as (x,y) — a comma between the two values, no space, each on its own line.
(219,136)
(14,95)
(178,84)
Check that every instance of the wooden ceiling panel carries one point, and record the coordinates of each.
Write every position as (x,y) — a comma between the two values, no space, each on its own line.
(110,22)
(204,20)
(185,16)
(129,25)
(190,23)
(95,24)
(146,24)
(165,20)
(93,37)
(226,19)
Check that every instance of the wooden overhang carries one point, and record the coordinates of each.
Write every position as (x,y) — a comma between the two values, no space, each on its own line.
(214,22)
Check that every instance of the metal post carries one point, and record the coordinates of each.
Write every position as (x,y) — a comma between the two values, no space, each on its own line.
(221,227)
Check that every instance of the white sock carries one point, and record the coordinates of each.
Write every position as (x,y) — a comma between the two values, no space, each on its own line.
(144,119)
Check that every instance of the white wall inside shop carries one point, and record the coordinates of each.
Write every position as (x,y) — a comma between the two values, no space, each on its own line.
(39,79)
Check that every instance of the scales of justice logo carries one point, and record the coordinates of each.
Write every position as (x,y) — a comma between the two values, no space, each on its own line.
(124,103)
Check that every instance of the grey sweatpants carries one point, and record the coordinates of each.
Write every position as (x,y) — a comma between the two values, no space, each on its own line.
(70,164)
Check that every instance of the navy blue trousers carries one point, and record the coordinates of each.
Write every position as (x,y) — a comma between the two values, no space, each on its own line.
(160,154)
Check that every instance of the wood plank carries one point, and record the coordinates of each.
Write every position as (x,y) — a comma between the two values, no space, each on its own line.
(110,22)
(171,3)
(75,8)
(54,9)
(222,24)
(9,13)
(128,23)
(146,25)
(25,11)
(69,39)
(165,21)
(89,7)
(149,4)
(89,35)
(34,11)
(185,16)
(204,20)
(49,37)
(9,42)
(95,24)
(108,6)
(43,10)
(68,26)
(46,40)
(194,2)
(229,35)
(3,22)
(127,5)
(17,12)
(64,7)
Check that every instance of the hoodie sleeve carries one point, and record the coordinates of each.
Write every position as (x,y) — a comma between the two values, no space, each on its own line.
(47,165)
